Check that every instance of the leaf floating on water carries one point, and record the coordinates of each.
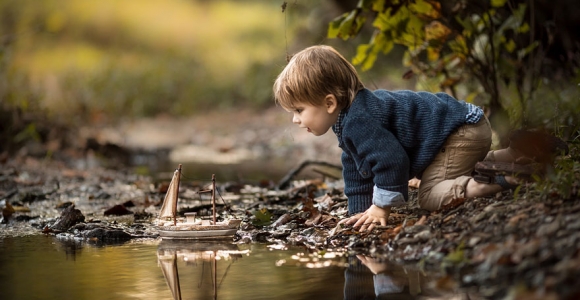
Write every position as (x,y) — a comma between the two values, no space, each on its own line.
(21,209)
(47,230)
(7,212)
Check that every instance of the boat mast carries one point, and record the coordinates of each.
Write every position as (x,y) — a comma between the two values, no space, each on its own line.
(213,197)
(176,196)
(214,274)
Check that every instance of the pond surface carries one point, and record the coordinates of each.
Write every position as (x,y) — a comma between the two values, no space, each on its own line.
(45,267)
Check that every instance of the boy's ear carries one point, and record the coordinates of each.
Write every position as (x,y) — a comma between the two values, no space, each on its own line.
(331,103)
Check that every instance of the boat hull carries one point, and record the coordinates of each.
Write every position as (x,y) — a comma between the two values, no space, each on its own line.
(197,234)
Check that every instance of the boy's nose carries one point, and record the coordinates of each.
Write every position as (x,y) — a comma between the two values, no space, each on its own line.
(295,120)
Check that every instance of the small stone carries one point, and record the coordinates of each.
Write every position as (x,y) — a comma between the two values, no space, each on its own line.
(548,229)
(118,210)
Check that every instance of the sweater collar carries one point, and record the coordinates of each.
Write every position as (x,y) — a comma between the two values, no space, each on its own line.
(337,127)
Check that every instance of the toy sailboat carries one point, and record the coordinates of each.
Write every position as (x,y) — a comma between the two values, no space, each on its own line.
(191,227)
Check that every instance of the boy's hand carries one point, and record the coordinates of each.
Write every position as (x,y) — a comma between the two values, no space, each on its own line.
(368,219)
(376,266)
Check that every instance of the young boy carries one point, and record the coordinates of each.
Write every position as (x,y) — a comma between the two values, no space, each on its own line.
(389,137)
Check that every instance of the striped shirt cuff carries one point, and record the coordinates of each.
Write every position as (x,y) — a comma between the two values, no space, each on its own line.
(474,114)
(383,198)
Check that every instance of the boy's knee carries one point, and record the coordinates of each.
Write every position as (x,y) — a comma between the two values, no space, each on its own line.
(443,193)
(426,203)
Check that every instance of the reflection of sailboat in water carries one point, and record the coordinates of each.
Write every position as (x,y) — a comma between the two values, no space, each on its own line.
(191,228)
(170,252)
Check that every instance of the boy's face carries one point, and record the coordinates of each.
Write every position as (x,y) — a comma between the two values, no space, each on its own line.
(317,119)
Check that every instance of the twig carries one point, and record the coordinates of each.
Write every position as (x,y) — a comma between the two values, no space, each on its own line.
(286,180)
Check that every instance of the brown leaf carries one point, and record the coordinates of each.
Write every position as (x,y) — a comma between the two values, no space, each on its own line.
(7,211)
(446,283)
(328,221)
(408,75)
(513,221)
(313,220)
(453,204)
(46,230)
(325,202)
(422,220)
(482,252)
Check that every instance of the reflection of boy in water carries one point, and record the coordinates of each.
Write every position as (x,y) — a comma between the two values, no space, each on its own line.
(369,278)
(366,278)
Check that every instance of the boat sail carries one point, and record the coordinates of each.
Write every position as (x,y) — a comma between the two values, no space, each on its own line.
(169,268)
(169,207)
(191,228)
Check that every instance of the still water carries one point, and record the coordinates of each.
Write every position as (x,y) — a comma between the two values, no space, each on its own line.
(43,267)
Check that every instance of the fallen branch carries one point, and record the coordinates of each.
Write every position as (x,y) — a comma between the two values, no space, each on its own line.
(286,180)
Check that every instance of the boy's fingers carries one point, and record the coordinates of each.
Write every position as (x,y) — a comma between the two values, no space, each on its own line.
(360,221)
(362,228)
(371,227)
(353,219)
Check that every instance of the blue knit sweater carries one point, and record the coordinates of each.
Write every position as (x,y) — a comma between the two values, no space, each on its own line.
(387,138)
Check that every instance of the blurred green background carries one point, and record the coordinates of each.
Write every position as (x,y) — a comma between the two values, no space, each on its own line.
(129,58)
(110,59)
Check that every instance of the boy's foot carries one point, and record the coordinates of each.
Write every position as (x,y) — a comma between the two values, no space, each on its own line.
(487,171)
(538,146)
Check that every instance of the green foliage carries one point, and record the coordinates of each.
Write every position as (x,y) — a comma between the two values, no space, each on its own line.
(29,133)
(346,25)
(563,181)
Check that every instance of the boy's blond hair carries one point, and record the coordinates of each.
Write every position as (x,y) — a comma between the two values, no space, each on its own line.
(314,73)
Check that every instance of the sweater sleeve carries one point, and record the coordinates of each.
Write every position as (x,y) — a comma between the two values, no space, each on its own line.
(378,156)
(358,190)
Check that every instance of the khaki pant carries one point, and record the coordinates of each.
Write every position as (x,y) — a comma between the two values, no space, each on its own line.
(446,177)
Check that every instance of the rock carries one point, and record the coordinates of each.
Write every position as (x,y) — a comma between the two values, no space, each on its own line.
(283,219)
(424,235)
(129,204)
(415,229)
(118,210)
(407,241)
(549,229)
(107,234)
(69,217)
(32,196)
(64,204)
